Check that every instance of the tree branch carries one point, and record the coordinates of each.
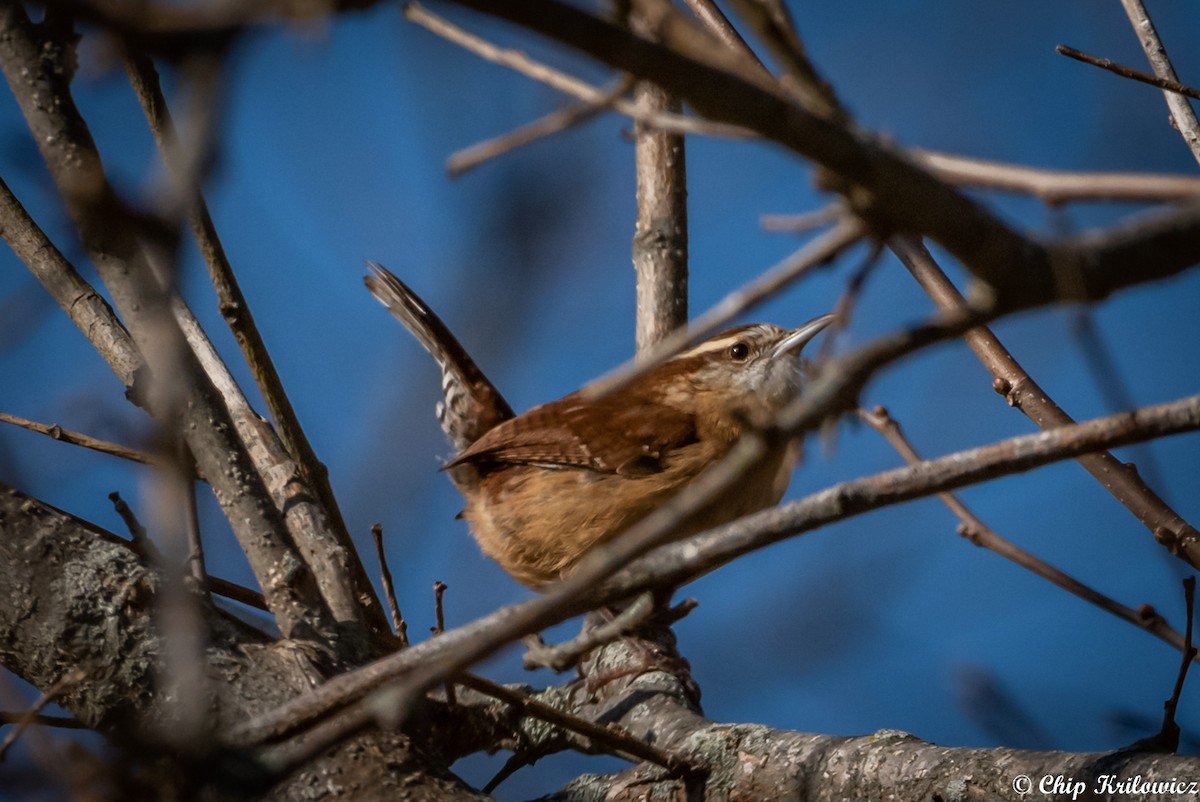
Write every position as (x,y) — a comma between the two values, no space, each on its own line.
(979,533)
(90,313)
(36,63)
(660,239)
(427,664)
(876,178)
(1024,394)
(329,550)
(1182,115)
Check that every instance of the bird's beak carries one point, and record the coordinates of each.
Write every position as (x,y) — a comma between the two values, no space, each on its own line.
(800,337)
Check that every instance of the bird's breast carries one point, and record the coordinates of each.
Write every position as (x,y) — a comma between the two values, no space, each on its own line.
(537,522)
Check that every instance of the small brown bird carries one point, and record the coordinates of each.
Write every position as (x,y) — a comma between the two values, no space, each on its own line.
(544,487)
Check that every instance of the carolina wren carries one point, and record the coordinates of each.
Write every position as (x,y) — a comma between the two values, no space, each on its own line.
(544,487)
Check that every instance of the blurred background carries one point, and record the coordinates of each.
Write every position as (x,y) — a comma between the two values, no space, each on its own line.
(333,141)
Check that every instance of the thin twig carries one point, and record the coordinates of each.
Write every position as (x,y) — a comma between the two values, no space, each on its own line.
(556,79)
(238,593)
(805,221)
(439,615)
(1056,186)
(1170,729)
(467,159)
(614,739)
(439,612)
(1128,72)
(848,300)
(145,548)
(1113,387)
(56,432)
(399,625)
(1182,114)
(979,533)
(1023,393)
(22,721)
(562,656)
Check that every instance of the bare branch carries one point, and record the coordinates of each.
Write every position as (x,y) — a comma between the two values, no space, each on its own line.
(558,120)
(56,432)
(1056,186)
(702,553)
(1181,111)
(1168,735)
(36,65)
(884,187)
(556,79)
(87,309)
(660,239)
(979,533)
(399,626)
(1023,393)
(611,740)
(1127,72)
(318,530)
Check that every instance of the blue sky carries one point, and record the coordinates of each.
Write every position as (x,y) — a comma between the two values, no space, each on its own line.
(333,144)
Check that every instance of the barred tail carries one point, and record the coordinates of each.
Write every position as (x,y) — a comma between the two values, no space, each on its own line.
(472,405)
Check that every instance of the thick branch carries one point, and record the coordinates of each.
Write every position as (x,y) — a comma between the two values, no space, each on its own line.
(77,598)
(878,181)
(751,762)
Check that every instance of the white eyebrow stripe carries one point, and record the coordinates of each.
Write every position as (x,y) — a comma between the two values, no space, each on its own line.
(709,346)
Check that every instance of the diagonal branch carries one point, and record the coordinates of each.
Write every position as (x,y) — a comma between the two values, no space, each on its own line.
(1128,72)
(562,82)
(875,177)
(1181,110)
(319,530)
(427,664)
(979,533)
(78,299)
(36,63)
(1023,393)
(56,432)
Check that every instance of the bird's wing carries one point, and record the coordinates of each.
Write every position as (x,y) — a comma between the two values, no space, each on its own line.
(622,438)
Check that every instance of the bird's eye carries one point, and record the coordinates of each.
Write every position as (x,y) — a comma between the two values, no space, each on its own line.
(739,351)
